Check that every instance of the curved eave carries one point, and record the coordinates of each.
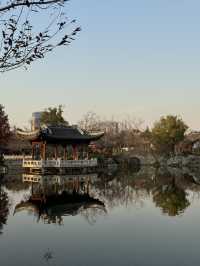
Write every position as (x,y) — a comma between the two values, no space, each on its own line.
(96,135)
(49,138)
(28,135)
(61,209)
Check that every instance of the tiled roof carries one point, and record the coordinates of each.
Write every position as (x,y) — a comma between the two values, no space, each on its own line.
(61,134)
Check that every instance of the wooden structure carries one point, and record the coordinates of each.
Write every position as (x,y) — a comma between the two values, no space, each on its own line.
(59,147)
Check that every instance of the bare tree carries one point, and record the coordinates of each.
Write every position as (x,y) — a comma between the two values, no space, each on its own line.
(123,133)
(30,29)
(90,121)
(130,123)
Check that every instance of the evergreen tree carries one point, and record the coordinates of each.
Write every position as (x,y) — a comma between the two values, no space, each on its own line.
(53,116)
(167,132)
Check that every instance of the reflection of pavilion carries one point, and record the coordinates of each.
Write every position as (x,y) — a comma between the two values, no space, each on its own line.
(53,197)
(59,148)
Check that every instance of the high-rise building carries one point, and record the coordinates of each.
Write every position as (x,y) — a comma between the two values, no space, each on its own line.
(35,120)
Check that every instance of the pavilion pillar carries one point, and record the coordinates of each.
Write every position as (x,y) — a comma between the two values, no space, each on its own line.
(78,185)
(56,152)
(44,151)
(88,187)
(65,153)
(75,151)
(33,151)
(41,151)
(87,152)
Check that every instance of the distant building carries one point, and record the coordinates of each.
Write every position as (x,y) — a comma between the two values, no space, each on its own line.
(35,120)
(190,145)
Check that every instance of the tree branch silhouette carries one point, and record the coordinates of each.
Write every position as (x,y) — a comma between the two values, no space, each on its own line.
(24,40)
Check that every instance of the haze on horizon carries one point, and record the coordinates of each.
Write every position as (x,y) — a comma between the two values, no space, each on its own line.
(140,58)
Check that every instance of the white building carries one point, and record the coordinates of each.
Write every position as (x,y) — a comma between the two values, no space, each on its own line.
(35,120)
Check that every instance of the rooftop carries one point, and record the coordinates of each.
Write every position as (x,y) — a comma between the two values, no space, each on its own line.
(60,135)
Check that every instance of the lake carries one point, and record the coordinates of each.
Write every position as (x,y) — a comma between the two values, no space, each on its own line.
(128,218)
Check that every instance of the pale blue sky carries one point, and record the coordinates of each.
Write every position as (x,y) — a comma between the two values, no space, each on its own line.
(132,57)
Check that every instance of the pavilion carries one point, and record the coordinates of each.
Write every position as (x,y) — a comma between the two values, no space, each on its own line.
(68,146)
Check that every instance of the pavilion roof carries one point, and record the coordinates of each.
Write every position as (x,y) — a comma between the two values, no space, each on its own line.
(60,135)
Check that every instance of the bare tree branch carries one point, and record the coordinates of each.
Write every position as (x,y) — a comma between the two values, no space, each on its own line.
(24,40)
(31,3)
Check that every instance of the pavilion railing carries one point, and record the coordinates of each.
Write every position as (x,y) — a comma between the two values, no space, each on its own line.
(59,163)
(57,179)
(17,157)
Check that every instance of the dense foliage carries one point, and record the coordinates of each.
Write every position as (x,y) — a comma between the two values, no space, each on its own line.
(167,132)
(53,116)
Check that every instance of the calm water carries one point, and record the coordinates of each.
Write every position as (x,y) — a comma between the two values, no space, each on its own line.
(149,217)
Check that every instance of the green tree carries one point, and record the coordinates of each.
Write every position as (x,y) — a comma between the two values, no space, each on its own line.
(4,127)
(167,132)
(53,116)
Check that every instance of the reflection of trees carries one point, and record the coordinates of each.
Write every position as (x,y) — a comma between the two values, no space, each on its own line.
(126,188)
(91,214)
(53,199)
(14,183)
(172,201)
(170,197)
(166,188)
(4,208)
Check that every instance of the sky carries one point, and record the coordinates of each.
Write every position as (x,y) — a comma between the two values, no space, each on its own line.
(137,58)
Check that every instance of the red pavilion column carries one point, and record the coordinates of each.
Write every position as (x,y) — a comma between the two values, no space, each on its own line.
(56,152)
(65,152)
(33,151)
(44,151)
(75,151)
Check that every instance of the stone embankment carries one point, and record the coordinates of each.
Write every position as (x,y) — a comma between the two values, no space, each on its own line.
(192,161)
(184,161)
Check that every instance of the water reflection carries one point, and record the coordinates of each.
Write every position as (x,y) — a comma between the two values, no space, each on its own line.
(4,208)
(53,197)
(168,195)
(128,211)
